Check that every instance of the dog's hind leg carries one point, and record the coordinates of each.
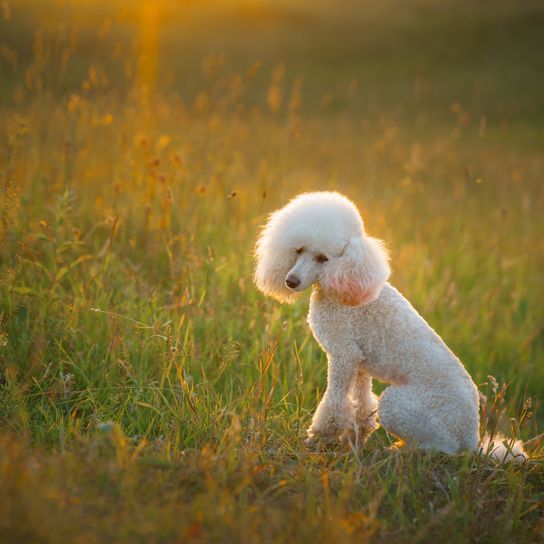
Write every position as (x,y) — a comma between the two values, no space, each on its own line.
(420,419)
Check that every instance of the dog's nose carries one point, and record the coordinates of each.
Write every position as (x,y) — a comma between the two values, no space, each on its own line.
(292,282)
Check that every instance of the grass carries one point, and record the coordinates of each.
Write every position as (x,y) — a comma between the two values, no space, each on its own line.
(148,391)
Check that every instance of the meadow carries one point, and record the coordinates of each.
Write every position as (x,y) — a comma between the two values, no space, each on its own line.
(148,392)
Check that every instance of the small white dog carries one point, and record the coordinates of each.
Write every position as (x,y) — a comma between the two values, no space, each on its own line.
(368,329)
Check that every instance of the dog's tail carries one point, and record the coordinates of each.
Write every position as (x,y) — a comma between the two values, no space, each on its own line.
(497,446)
(503,449)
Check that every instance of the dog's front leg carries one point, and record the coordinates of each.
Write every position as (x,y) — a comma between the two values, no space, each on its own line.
(366,407)
(335,413)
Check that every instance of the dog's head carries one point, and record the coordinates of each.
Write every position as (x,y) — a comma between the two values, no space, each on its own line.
(320,238)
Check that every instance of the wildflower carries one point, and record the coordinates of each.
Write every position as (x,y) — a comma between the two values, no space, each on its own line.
(162,142)
(176,159)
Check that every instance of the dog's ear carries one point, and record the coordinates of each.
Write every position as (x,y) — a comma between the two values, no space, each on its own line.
(274,260)
(358,275)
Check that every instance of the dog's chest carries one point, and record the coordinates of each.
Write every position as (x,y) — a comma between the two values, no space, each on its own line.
(331,324)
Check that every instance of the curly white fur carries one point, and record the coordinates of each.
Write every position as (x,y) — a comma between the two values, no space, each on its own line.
(368,329)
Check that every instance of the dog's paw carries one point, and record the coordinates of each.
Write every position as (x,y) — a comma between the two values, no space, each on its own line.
(366,423)
(311,442)
(330,420)
(323,437)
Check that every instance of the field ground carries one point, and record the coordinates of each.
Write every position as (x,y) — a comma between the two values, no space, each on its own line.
(148,392)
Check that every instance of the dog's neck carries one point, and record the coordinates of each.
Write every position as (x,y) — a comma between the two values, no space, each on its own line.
(317,292)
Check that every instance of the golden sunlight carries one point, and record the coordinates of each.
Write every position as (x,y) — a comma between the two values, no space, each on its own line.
(149,21)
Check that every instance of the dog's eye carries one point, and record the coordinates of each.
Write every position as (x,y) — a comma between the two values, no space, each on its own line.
(321,258)
(299,250)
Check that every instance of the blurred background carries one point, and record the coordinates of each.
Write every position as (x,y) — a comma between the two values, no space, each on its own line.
(413,57)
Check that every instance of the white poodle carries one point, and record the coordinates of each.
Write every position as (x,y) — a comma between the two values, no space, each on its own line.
(368,330)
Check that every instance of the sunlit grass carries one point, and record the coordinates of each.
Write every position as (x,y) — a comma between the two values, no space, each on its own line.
(149,392)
